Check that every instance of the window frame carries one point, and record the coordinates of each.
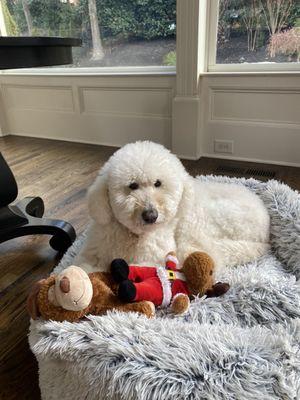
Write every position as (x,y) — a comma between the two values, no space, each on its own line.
(208,20)
(212,66)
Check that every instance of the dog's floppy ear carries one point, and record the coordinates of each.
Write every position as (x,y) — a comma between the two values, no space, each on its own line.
(98,202)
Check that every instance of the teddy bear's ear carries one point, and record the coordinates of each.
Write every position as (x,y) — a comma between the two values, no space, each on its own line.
(98,201)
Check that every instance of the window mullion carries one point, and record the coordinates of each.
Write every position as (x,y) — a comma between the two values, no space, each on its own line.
(186,104)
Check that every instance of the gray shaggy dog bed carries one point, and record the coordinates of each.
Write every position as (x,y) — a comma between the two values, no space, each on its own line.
(243,346)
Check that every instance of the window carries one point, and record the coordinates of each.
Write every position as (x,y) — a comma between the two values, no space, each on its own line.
(114,32)
(256,33)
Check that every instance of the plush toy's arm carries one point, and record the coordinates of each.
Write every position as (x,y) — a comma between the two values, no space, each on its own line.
(172,261)
(218,289)
(31,303)
(180,303)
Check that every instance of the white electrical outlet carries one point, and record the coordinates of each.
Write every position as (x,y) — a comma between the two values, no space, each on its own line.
(223,146)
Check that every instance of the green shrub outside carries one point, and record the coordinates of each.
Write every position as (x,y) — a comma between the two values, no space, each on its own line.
(170,59)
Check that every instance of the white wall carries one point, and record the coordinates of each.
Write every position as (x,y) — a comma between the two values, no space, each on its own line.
(110,110)
(3,124)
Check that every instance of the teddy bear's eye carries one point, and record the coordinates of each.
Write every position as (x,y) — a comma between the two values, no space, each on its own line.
(134,186)
(210,273)
(157,183)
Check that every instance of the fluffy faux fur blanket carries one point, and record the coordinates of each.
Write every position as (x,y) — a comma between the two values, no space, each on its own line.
(243,346)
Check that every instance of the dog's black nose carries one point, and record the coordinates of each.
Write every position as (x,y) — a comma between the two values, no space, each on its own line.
(150,215)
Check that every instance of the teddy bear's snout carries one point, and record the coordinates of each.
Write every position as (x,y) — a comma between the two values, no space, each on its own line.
(64,284)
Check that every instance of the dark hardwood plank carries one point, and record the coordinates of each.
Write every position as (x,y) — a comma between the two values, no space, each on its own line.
(60,173)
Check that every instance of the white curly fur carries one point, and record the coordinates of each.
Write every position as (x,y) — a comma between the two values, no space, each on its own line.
(229,222)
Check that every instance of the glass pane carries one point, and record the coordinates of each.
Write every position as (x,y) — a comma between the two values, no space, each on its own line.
(258,31)
(114,32)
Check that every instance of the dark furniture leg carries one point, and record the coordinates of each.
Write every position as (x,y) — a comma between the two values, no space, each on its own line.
(27,221)
(25,217)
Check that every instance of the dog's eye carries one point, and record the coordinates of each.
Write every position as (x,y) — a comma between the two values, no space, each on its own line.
(134,186)
(157,183)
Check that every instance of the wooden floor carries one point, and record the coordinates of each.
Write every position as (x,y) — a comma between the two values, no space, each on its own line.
(60,173)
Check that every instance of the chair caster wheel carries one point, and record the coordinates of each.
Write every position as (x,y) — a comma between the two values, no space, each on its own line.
(36,207)
(31,207)
(60,243)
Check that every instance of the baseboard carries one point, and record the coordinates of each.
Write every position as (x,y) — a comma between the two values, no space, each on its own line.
(255,160)
(63,139)
(185,157)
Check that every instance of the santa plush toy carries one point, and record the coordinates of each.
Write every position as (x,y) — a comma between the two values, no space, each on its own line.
(168,285)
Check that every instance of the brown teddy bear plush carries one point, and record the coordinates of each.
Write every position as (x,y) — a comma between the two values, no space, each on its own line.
(72,294)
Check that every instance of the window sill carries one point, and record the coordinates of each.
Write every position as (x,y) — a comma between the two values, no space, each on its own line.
(218,70)
(251,73)
(115,71)
(269,68)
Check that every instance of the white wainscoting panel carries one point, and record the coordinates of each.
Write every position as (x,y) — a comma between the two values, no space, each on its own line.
(279,106)
(260,114)
(154,102)
(23,97)
(92,109)
(3,123)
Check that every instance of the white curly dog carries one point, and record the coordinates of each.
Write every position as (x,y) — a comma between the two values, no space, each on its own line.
(144,204)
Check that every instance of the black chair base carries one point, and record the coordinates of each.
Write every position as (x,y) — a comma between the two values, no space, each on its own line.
(25,218)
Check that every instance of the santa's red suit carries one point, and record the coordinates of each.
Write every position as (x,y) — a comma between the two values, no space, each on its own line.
(158,284)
